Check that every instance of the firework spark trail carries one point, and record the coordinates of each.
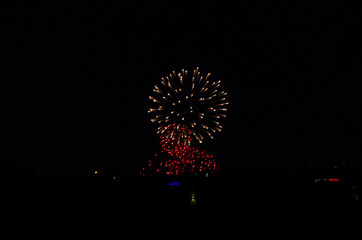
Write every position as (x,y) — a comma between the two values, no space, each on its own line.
(191,100)
(181,158)
(186,107)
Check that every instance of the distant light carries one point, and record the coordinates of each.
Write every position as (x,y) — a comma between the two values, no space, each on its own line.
(317,180)
(193,199)
(95,172)
(114,178)
(333,179)
(174,183)
(192,195)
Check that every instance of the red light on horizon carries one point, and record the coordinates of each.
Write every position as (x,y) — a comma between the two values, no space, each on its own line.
(333,179)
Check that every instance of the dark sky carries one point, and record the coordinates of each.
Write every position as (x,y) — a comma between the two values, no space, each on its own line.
(76,77)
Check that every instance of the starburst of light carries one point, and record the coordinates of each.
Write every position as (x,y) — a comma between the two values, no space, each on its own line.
(186,107)
(191,100)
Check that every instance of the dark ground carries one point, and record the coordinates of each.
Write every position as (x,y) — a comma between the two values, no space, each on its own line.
(99,207)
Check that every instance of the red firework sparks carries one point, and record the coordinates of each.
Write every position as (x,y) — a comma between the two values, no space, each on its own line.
(187,106)
(180,157)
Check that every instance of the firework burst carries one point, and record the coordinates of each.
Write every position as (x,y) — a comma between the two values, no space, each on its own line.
(177,157)
(190,100)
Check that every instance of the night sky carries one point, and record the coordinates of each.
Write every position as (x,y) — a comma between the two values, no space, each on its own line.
(76,77)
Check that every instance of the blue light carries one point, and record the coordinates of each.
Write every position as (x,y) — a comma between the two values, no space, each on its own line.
(174,183)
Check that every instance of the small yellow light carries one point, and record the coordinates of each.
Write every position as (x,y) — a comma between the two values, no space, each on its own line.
(95,172)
